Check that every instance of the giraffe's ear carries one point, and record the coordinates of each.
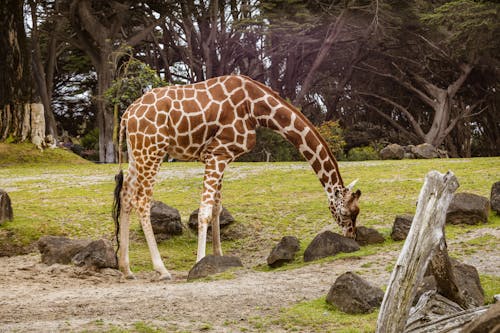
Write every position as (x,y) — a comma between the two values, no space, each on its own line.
(356,194)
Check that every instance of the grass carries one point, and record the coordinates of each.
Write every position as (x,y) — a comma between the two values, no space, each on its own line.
(56,193)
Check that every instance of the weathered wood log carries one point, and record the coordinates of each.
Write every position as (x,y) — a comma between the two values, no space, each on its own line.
(435,313)
(6,213)
(426,234)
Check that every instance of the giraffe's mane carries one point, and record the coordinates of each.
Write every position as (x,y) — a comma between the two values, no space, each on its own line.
(299,114)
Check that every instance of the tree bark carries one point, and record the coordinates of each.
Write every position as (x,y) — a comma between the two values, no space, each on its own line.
(15,76)
(425,235)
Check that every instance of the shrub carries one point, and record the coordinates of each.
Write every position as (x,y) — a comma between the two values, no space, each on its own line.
(362,154)
(333,135)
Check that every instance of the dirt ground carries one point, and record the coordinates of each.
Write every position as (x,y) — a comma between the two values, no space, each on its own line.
(39,298)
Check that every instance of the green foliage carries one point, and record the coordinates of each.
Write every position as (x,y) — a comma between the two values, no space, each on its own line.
(91,140)
(134,79)
(333,135)
(271,147)
(362,154)
(473,27)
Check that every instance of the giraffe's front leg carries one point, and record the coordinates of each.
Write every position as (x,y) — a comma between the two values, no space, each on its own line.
(216,243)
(123,258)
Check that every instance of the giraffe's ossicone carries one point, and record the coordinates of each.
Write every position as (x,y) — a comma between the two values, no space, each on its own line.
(213,122)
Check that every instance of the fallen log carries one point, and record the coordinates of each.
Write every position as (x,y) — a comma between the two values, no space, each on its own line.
(422,242)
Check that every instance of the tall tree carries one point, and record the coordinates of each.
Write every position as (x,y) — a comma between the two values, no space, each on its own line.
(15,80)
(103,30)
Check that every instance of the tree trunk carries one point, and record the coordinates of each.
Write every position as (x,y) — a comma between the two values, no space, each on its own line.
(105,115)
(6,213)
(425,235)
(15,78)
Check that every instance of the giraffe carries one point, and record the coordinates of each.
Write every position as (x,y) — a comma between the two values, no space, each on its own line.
(213,122)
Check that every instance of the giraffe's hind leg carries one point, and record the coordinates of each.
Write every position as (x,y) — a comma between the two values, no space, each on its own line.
(126,208)
(210,205)
(146,179)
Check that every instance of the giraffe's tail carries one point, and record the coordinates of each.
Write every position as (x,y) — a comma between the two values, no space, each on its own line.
(119,185)
(117,205)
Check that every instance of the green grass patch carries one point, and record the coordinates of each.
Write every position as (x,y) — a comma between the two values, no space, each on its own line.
(491,287)
(26,154)
(319,316)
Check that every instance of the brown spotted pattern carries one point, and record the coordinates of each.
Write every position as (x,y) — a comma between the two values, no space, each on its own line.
(214,122)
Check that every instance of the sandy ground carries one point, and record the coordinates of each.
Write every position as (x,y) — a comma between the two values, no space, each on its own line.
(39,298)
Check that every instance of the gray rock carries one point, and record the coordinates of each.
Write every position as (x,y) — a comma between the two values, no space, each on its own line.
(329,244)
(6,213)
(392,152)
(225,219)
(352,294)
(98,254)
(495,197)
(60,250)
(283,252)
(401,227)
(467,279)
(212,265)
(487,322)
(468,208)
(425,150)
(165,220)
(366,236)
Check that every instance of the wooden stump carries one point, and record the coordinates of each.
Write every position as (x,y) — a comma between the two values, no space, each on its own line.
(6,213)
(423,241)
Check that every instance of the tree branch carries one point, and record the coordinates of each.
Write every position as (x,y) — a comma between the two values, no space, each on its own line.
(413,122)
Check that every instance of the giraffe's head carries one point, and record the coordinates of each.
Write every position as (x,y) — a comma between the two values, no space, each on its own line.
(345,208)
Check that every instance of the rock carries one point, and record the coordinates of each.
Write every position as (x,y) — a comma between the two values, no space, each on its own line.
(425,150)
(487,322)
(494,197)
(283,252)
(468,282)
(225,219)
(392,152)
(468,208)
(329,244)
(409,152)
(466,277)
(352,294)
(401,227)
(366,236)
(98,254)
(60,250)
(6,213)
(165,220)
(212,265)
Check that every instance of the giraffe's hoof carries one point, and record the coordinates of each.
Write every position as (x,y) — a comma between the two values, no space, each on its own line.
(165,277)
(130,276)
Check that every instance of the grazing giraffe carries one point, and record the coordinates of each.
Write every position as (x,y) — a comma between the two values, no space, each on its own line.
(213,122)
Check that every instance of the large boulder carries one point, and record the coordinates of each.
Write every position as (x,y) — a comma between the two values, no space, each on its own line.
(366,236)
(468,208)
(6,213)
(329,244)
(425,150)
(392,152)
(487,322)
(59,249)
(283,252)
(225,219)
(352,294)
(495,197)
(401,227)
(212,264)
(165,220)
(98,254)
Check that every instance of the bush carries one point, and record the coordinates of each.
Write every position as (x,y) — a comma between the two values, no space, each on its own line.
(362,154)
(90,140)
(333,135)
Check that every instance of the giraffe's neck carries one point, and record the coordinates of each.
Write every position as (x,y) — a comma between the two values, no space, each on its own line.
(273,112)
